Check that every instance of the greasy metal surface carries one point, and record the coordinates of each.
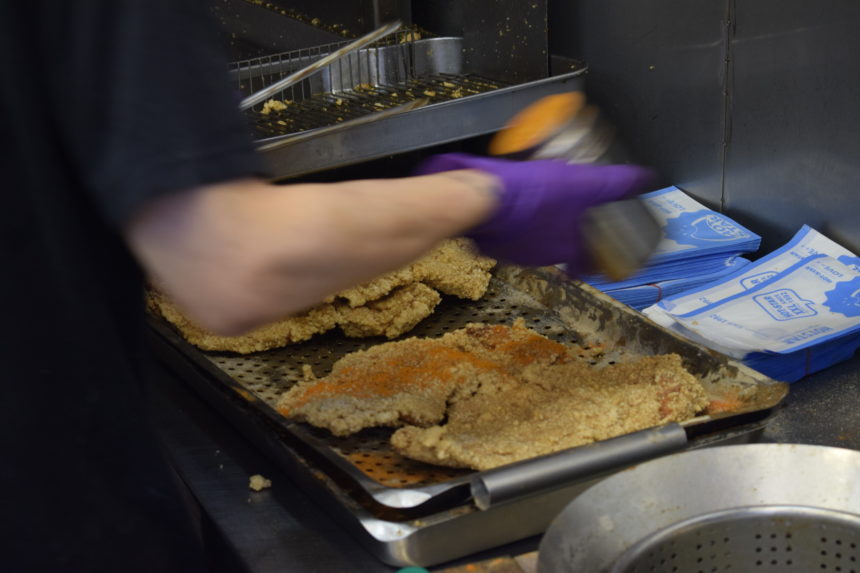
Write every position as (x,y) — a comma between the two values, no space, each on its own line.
(767,539)
(735,499)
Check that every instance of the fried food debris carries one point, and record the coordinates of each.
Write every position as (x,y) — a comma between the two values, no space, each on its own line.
(488,395)
(258,483)
(389,305)
(274,105)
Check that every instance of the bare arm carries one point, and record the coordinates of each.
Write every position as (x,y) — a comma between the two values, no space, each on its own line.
(243,253)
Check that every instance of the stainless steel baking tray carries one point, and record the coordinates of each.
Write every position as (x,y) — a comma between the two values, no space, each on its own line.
(413,513)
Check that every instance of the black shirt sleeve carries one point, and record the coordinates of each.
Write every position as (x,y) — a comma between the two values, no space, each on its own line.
(142,100)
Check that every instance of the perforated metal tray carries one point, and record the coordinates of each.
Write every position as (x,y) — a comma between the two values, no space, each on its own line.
(558,308)
(411,513)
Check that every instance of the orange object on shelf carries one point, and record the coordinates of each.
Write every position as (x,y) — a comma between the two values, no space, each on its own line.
(537,123)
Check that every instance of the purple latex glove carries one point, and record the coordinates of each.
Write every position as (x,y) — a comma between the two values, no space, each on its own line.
(540,204)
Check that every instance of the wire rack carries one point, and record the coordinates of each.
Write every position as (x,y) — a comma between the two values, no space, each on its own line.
(401,68)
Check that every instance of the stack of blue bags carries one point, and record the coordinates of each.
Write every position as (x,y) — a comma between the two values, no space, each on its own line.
(789,314)
(699,246)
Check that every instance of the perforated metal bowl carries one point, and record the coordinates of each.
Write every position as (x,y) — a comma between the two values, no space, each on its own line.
(749,508)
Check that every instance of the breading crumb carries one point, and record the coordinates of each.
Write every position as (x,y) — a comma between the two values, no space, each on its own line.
(273,105)
(258,482)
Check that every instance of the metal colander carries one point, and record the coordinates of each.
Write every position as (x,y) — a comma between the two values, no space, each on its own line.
(748,508)
(761,539)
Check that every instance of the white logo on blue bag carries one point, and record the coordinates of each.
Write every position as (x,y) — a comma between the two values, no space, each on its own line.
(845,298)
(785,304)
(753,280)
(704,227)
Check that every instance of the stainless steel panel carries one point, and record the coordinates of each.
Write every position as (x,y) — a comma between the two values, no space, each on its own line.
(658,69)
(749,106)
(355,16)
(252,30)
(794,151)
(503,39)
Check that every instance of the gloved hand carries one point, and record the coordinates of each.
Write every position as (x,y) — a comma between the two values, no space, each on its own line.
(540,204)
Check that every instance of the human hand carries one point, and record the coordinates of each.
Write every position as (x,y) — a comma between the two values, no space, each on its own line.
(541,203)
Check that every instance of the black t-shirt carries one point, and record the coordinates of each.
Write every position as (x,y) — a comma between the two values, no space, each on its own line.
(105,105)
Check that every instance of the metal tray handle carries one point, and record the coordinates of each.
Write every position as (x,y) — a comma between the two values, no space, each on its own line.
(495,486)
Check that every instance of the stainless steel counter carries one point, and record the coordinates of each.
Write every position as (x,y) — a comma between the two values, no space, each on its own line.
(279,529)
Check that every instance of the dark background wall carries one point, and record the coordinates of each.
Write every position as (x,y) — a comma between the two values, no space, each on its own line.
(751,106)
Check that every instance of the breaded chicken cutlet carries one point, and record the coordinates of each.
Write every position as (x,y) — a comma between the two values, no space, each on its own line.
(288,331)
(387,306)
(452,268)
(391,315)
(553,408)
(484,396)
